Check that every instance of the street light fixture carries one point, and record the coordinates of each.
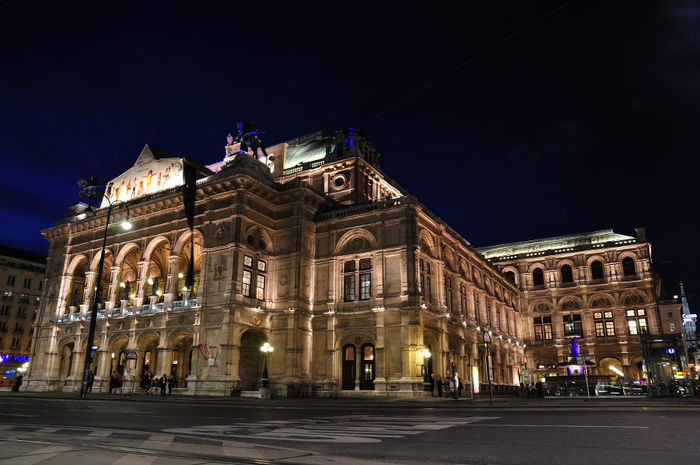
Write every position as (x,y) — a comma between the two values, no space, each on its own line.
(265,349)
(425,355)
(90,193)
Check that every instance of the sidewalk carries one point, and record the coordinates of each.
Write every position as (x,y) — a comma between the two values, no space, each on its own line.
(510,402)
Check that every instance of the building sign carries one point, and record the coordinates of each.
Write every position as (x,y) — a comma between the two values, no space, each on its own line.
(4,358)
(148,176)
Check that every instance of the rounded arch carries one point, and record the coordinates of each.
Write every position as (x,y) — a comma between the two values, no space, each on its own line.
(153,244)
(610,366)
(534,265)
(258,238)
(356,337)
(464,269)
(592,258)
(184,240)
(250,364)
(570,303)
(540,306)
(627,254)
(178,335)
(95,263)
(427,243)
(355,240)
(124,251)
(633,297)
(117,340)
(147,338)
(449,258)
(514,277)
(601,300)
(75,262)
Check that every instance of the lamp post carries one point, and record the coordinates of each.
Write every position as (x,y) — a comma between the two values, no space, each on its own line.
(90,193)
(265,349)
(487,341)
(425,354)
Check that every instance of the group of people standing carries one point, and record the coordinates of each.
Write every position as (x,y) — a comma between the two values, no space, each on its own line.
(451,386)
(153,383)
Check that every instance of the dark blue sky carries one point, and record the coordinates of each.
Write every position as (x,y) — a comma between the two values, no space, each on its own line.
(586,120)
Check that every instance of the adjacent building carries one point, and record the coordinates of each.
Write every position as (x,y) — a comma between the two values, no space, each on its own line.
(21,277)
(596,287)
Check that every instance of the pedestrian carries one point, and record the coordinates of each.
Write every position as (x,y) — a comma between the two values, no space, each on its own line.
(171,384)
(458,380)
(432,384)
(446,385)
(90,381)
(18,383)
(438,381)
(236,391)
(163,384)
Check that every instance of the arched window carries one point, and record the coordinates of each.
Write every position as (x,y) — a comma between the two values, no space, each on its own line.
(537,277)
(349,367)
(597,270)
(367,367)
(628,266)
(567,275)
(510,276)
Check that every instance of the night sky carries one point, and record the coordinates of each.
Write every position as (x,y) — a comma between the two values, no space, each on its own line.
(574,116)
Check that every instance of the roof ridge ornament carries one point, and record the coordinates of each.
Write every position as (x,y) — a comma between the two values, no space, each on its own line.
(246,142)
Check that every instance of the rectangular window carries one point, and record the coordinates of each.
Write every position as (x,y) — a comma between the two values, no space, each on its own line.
(448,293)
(599,329)
(632,325)
(247,279)
(463,300)
(7,295)
(41,285)
(547,328)
(24,298)
(609,328)
(349,267)
(260,287)
(543,328)
(27,283)
(573,325)
(365,264)
(248,261)
(349,287)
(262,266)
(643,326)
(10,280)
(604,324)
(365,286)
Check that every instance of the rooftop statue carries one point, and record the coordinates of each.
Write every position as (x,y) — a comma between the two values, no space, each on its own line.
(249,137)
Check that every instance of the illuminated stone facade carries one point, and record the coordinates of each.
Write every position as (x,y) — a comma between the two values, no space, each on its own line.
(597,286)
(313,250)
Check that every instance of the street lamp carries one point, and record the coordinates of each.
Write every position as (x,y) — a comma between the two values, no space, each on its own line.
(265,349)
(487,341)
(425,354)
(90,193)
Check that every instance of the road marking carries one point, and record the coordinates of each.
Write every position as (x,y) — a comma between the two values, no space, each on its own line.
(560,426)
(334,429)
(18,415)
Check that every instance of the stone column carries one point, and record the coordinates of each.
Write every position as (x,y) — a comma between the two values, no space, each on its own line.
(88,292)
(379,367)
(114,288)
(143,276)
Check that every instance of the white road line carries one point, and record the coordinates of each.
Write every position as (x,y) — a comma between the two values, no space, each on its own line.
(18,415)
(557,426)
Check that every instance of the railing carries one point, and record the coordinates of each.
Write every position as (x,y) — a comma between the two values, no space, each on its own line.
(364,208)
(183,304)
(119,312)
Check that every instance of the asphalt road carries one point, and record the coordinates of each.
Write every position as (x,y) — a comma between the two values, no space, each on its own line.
(58,431)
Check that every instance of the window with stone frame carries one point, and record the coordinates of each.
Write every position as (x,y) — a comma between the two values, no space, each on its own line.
(254,273)
(425,279)
(567,275)
(637,321)
(543,328)
(463,300)
(10,280)
(352,274)
(498,317)
(597,270)
(537,277)
(448,293)
(604,324)
(573,325)
(27,283)
(628,268)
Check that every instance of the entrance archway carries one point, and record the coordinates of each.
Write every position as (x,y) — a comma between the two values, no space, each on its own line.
(250,365)
(149,348)
(610,366)
(181,345)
